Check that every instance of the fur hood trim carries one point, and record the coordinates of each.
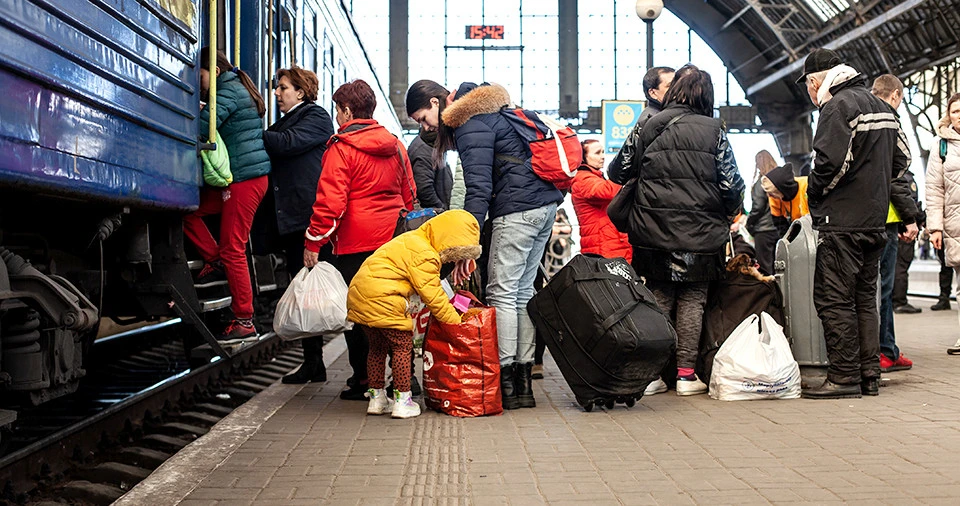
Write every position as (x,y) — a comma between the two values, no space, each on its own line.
(480,100)
(457,253)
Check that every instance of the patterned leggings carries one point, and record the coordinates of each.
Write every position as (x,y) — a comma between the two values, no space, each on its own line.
(687,301)
(399,345)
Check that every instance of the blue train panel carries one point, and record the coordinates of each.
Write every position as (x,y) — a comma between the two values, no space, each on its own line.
(101,100)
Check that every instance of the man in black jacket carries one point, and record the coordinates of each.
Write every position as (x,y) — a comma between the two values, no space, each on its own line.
(858,153)
(901,225)
(656,82)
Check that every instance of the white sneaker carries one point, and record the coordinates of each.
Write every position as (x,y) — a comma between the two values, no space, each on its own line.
(955,349)
(380,403)
(691,386)
(657,386)
(405,406)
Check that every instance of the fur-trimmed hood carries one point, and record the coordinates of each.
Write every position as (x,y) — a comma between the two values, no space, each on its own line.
(472,100)
(410,264)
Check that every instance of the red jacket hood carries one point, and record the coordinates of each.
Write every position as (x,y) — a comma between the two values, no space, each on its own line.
(368,136)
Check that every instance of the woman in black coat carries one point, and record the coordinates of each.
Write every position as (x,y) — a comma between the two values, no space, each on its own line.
(296,143)
(688,192)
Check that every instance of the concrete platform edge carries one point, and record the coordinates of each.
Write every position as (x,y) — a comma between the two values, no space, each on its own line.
(176,478)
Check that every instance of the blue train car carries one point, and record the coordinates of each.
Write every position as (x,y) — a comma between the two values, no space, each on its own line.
(99,162)
(100,100)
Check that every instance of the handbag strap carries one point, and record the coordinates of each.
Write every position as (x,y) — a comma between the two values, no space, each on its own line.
(406,176)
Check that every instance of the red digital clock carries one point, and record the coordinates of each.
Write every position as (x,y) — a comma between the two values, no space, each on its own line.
(477,32)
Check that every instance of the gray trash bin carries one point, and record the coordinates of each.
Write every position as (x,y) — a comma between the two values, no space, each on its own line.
(795,265)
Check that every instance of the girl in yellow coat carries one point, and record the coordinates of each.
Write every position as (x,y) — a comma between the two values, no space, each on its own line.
(378,299)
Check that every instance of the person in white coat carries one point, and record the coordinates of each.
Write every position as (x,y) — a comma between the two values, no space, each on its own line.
(943,191)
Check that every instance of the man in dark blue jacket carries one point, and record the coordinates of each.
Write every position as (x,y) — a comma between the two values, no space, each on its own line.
(522,207)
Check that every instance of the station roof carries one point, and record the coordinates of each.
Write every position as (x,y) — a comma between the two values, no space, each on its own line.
(764,43)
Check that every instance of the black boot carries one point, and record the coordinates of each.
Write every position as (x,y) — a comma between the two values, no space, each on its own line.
(524,385)
(870,386)
(943,304)
(831,390)
(312,368)
(508,390)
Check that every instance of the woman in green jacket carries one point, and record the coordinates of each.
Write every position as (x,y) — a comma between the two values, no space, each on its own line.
(239,111)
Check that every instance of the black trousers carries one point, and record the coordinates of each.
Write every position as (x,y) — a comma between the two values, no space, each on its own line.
(946,276)
(901,279)
(845,295)
(357,346)
(766,243)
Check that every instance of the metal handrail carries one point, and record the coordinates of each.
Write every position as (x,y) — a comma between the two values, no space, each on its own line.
(212,54)
(236,33)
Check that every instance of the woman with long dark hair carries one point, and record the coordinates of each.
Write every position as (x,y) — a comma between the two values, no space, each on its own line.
(689,191)
(296,143)
(239,111)
(366,180)
(425,102)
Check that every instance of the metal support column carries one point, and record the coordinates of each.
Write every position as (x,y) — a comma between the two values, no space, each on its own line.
(649,23)
(569,59)
(399,57)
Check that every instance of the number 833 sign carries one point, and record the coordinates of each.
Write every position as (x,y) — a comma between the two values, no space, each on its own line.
(619,116)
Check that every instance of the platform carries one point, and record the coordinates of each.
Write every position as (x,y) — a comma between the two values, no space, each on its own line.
(303,445)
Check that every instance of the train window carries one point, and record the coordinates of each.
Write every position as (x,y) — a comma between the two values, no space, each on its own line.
(309,38)
(341,72)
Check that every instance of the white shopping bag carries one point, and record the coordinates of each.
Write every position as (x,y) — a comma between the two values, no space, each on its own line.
(315,303)
(754,363)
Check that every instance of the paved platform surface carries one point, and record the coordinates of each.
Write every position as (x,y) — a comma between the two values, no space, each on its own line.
(303,445)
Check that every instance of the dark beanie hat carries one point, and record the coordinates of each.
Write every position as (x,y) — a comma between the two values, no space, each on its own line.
(783,179)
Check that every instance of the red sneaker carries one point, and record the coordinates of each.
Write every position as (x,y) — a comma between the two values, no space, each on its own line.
(901,364)
(238,331)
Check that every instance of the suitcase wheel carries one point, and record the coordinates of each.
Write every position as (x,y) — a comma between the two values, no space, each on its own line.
(588,407)
(631,402)
(608,403)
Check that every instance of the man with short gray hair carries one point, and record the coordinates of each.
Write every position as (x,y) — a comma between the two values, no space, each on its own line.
(857,156)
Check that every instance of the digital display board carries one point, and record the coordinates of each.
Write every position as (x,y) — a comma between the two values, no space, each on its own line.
(478,32)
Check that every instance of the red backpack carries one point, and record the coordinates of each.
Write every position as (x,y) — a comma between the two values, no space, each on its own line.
(556,151)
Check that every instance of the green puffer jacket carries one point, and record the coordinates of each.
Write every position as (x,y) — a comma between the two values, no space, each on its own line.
(240,127)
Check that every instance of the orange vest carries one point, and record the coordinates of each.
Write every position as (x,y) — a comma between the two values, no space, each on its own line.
(792,209)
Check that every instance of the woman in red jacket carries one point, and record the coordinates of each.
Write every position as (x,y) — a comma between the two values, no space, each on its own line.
(365,181)
(591,194)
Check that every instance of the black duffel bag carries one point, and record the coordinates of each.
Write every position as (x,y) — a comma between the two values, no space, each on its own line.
(604,329)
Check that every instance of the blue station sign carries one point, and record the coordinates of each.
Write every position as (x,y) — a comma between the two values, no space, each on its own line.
(619,116)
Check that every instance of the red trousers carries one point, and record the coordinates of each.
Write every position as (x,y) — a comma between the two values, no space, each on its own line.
(236,205)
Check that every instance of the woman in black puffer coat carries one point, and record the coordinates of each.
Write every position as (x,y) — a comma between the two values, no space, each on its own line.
(689,190)
(296,143)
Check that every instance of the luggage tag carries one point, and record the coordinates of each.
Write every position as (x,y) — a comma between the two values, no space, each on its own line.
(447,289)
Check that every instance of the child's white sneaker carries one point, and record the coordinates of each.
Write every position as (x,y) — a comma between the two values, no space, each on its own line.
(380,403)
(405,406)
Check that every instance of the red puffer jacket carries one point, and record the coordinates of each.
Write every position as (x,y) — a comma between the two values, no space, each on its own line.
(591,194)
(362,188)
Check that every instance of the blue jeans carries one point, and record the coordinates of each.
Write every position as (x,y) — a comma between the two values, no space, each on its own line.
(516,248)
(888,267)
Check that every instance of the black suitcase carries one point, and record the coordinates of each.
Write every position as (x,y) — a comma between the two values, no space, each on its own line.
(604,329)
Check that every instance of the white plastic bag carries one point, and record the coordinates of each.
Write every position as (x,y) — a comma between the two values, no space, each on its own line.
(315,303)
(755,363)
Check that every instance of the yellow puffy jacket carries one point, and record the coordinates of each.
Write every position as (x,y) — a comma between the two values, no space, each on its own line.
(410,263)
